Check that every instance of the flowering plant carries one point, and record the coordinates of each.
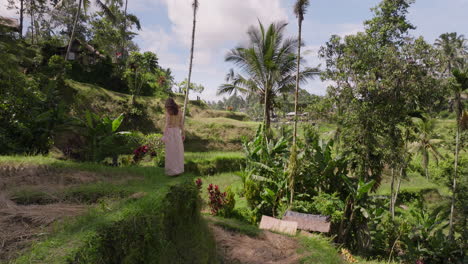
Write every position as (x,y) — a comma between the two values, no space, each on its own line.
(199,183)
(217,199)
(140,152)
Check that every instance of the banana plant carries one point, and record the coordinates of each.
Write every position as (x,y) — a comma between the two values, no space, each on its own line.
(99,129)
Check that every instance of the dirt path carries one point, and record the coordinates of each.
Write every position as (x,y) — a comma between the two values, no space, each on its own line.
(268,248)
(21,225)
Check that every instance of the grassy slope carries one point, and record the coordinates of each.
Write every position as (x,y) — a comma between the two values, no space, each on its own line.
(207,129)
(68,237)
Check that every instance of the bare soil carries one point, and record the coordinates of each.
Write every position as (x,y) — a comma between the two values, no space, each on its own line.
(12,176)
(268,248)
(20,225)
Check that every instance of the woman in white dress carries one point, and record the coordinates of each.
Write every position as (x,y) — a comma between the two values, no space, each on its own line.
(174,136)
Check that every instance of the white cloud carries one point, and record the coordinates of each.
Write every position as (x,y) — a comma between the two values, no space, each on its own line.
(7,12)
(220,21)
(349,29)
(157,40)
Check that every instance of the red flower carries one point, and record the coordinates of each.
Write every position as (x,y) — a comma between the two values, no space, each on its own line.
(199,183)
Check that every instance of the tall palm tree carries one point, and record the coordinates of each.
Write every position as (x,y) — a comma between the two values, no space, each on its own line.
(459,85)
(299,9)
(195,9)
(453,48)
(426,144)
(269,66)
(21,13)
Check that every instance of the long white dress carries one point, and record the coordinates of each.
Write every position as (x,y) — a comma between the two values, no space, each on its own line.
(174,162)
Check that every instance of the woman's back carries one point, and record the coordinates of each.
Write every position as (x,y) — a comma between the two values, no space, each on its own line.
(174,120)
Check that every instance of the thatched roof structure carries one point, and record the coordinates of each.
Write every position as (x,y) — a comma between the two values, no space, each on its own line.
(10,23)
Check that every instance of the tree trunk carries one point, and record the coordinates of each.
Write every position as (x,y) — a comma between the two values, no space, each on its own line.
(21,18)
(392,193)
(296,95)
(31,12)
(395,195)
(267,110)
(122,56)
(425,158)
(195,6)
(454,185)
(78,12)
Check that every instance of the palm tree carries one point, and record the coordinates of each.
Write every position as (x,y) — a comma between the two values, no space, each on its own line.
(85,4)
(453,48)
(459,85)
(195,8)
(269,66)
(426,144)
(299,9)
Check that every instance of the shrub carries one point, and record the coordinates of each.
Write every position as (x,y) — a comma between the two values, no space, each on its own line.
(217,199)
(227,209)
(323,204)
(121,143)
(154,232)
(214,166)
(139,153)
(155,144)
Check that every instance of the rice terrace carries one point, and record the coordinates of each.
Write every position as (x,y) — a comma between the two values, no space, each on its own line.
(243,132)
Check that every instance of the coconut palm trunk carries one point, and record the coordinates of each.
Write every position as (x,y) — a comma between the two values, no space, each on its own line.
(31,12)
(78,12)
(454,184)
(266,110)
(296,94)
(195,8)
(460,85)
(124,30)
(299,10)
(21,11)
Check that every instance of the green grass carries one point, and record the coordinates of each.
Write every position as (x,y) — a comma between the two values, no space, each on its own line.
(81,166)
(234,225)
(318,249)
(414,183)
(206,129)
(200,156)
(210,163)
(223,180)
(221,134)
(71,236)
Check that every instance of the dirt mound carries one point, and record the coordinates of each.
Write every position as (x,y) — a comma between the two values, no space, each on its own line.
(21,225)
(27,175)
(268,248)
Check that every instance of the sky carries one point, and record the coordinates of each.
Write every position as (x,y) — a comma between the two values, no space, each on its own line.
(222,25)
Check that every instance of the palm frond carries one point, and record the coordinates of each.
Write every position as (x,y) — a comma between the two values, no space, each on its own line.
(106,10)
(134,19)
(300,8)
(86,4)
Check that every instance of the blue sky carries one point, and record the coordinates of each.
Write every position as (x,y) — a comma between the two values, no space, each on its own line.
(222,25)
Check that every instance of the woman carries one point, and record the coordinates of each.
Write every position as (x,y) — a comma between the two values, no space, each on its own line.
(173,138)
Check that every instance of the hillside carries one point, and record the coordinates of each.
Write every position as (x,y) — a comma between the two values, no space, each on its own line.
(207,129)
(84,212)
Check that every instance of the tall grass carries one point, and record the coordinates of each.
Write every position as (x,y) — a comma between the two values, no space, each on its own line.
(200,156)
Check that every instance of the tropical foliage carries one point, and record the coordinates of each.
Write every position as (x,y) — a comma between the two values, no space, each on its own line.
(267,66)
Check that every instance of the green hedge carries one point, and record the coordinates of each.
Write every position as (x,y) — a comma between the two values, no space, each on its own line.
(214,166)
(168,232)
